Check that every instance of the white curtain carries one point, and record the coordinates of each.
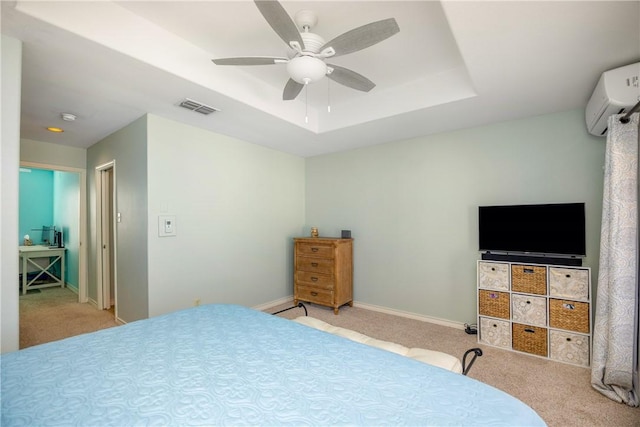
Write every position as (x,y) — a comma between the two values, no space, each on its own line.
(615,345)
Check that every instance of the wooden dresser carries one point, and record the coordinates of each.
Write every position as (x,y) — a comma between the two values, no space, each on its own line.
(323,271)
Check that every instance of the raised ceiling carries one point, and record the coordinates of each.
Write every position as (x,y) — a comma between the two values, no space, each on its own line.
(452,65)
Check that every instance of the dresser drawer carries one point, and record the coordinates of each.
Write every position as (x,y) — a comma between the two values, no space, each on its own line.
(569,348)
(315,294)
(529,309)
(570,283)
(495,332)
(493,275)
(315,265)
(315,279)
(320,250)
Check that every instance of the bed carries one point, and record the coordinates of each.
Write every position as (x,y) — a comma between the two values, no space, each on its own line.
(231,365)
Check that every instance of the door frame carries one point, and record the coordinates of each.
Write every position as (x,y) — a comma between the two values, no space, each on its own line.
(102,288)
(83,274)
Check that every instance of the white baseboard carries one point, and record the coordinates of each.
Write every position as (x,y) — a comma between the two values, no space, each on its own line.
(268,305)
(409,315)
(394,312)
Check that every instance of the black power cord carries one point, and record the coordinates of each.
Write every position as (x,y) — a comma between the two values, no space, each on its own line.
(471,329)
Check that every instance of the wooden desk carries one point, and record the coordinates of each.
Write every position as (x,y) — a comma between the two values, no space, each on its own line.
(29,253)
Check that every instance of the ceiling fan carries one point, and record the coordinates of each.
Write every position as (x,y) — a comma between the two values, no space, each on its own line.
(307,62)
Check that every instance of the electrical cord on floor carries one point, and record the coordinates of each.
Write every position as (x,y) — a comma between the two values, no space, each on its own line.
(471,329)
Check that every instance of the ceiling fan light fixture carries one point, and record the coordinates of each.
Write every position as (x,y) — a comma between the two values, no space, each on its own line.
(306,69)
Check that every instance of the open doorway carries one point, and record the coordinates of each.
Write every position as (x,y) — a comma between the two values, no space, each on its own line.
(106,276)
(64,196)
(67,207)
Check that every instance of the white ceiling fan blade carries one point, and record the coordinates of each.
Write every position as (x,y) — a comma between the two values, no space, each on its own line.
(363,37)
(350,78)
(291,90)
(280,21)
(250,60)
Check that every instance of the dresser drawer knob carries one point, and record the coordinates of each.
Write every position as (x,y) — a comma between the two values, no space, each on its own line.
(314,279)
(531,331)
(314,249)
(568,276)
(527,270)
(314,264)
(314,294)
(569,339)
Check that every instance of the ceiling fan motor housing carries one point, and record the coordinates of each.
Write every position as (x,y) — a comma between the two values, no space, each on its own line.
(312,42)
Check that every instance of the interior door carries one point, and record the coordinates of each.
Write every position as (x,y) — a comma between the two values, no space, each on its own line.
(107,238)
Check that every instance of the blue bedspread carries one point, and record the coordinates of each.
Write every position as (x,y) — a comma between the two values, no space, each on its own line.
(230,365)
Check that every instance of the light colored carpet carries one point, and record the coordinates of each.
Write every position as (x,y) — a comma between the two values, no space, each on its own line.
(54,314)
(560,393)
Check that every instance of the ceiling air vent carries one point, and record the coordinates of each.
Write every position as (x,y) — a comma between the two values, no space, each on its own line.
(198,107)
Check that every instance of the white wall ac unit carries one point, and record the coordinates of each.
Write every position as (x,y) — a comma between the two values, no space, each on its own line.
(617,92)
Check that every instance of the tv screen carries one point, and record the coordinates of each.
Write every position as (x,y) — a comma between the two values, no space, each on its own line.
(538,229)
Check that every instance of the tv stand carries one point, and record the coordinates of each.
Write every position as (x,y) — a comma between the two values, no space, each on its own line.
(532,259)
(537,309)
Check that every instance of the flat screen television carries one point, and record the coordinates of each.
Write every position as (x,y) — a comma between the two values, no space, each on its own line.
(545,229)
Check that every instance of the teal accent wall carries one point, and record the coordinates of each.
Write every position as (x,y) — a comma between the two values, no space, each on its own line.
(36,203)
(52,198)
(66,216)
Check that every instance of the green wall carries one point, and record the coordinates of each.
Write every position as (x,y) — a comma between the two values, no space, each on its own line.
(128,148)
(237,207)
(412,205)
(10,80)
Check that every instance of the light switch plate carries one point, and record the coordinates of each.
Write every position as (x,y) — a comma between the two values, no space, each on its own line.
(166,225)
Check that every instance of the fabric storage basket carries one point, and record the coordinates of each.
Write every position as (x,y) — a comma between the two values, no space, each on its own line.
(495,332)
(529,309)
(493,275)
(569,315)
(569,348)
(494,304)
(529,339)
(569,283)
(529,279)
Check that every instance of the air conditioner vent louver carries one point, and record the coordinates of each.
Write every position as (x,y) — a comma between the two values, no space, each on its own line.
(198,107)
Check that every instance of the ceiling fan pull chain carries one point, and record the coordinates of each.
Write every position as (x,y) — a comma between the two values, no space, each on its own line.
(306,103)
(328,95)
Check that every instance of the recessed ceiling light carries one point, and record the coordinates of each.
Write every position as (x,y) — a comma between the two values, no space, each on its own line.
(55,130)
